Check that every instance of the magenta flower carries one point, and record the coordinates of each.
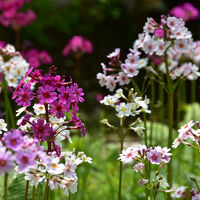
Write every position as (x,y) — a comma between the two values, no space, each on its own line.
(48,80)
(25,95)
(25,160)
(78,92)
(154,157)
(6,162)
(65,95)
(78,45)
(13,139)
(41,130)
(58,109)
(46,94)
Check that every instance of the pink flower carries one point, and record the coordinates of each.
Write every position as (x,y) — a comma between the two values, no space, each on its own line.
(6,162)
(13,139)
(78,45)
(58,109)
(154,157)
(25,95)
(138,167)
(159,33)
(46,94)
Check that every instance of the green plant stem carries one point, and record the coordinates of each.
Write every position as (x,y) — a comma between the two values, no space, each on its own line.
(26,194)
(161,98)
(69,197)
(5,195)
(46,190)
(38,192)
(33,193)
(170,120)
(121,134)
(152,109)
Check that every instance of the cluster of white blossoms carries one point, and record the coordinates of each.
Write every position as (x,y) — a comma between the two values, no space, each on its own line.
(60,172)
(119,72)
(129,106)
(12,65)
(187,132)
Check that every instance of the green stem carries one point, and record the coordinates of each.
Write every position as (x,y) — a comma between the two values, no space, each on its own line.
(170,120)
(136,86)
(5,195)
(46,190)
(33,193)
(162,100)
(26,194)
(38,192)
(121,148)
(152,109)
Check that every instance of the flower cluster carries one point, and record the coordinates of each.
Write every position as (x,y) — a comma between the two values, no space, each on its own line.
(119,72)
(12,65)
(181,192)
(11,16)
(132,106)
(78,45)
(139,155)
(61,171)
(52,100)
(18,150)
(35,57)
(187,132)
(186,11)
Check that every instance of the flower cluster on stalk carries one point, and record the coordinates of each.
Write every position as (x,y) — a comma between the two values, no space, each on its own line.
(36,58)
(13,66)
(130,106)
(140,155)
(55,104)
(13,17)
(78,45)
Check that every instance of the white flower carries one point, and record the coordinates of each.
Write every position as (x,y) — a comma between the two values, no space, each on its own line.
(123,110)
(110,83)
(132,59)
(163,183)
(114,54)
(109,100)
(130,70)
(178,192)
(160,47)
(182,45)
(127,155)
(70,185)
(150,25)
(70,167)
(102,79)
(39,109)
(173,22)
(149,46)
(20,111)
(143,63)
(63,134)
(123,79)
(53,166)
(138,130)
(34,178)
(3,126)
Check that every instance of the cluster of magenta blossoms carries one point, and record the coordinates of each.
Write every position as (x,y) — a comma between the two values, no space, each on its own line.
(52,99)
(55,105)
(11,14)
(78,45)
(36,58)
(186,11)
(139,156)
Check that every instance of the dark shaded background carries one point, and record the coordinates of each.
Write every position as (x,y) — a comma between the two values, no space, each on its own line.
(107,23)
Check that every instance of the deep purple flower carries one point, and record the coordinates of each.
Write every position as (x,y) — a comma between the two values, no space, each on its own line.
(66,94)
(25,95)
(78,92)
(6,162)
(59,108)
(57,149)
(25,119)
(40,129)
(46,94)
(25,160)
(13,139)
